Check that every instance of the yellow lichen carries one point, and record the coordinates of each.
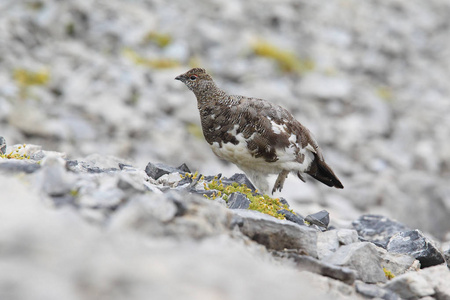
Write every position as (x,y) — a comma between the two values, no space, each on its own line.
(286,60)
(385,93)
(155,63)
(160,39)
(15,154)
(389,274)
(27,78)
(195,130)
(261,203)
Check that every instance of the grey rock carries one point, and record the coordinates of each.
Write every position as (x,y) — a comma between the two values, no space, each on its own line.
(293,217)
(89,167)
(438,277)
(172,214)
(277,234)
(329,241)
(410,286)
(238,201)
(447,256)
(397,263)
(2,145)
(157,170)
(414,243)
(18,166)
(321,218)
(337,87)
(361,257)
(373,291)
(284,201)
(113,263)
(377,229)
(310,264)
(36,153)
(238,178)
(53,178)
(347,236)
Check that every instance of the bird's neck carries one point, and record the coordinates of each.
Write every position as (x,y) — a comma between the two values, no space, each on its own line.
(207,92)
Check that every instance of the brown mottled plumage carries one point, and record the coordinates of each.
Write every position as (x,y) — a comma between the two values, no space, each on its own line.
(261,138)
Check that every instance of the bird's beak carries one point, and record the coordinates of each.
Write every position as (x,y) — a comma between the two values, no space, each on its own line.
(179,77)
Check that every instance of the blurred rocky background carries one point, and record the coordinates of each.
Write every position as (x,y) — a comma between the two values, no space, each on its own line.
(368,78)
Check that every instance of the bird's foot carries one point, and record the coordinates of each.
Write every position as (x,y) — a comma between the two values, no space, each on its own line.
(280,181)
(300,176)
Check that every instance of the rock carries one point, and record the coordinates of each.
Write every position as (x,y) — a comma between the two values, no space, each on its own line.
(39,154)
(53,177)
(2,145)
(414,243)
(377,229)
(438,277)
(361,257)
(293,217)
(329,241)
(238,201)
(132,180)
(334,289)
(347,236)
(172,214)
(373,291)
(171,179)
(157,170)
(91,166)
(312,85)
(410,286)
(321,218)
(18,166)
(397,263)
(36,241)
(447,256)
(276,234)
(310,264)
(238,178)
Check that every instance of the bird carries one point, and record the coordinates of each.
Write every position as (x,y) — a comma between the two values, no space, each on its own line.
(259,137)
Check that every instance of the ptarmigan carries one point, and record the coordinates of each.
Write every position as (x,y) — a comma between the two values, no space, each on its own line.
(259,137)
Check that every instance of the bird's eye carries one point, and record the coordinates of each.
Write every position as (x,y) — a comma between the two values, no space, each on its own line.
(193,77)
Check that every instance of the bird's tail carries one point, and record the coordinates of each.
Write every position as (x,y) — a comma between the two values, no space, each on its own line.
(320,171)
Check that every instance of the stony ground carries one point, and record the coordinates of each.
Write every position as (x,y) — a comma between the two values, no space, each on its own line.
(85,77)
(98,228)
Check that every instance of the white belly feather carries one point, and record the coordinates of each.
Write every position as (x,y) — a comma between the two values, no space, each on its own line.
(240,155)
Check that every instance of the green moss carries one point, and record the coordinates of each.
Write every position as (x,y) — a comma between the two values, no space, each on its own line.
(15,154)
(160,39)
(286,60)
(157,63)
(389,274)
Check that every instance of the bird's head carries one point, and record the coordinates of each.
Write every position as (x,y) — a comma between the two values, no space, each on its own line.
(195,79)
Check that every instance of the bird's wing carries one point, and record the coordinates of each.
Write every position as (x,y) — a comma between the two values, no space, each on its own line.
(269,128)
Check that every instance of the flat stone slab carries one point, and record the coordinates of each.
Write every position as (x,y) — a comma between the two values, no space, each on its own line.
(276,234)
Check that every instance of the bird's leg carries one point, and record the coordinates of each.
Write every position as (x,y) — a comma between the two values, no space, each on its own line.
(280,181)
